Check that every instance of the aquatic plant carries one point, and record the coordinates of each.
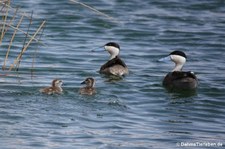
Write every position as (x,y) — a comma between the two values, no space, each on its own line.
(17,30)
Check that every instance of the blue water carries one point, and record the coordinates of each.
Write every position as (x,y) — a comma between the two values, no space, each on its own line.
(136,112)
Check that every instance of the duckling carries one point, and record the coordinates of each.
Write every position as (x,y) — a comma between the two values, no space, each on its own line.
(115,65)
(54,89)
(177,78)
(89,88)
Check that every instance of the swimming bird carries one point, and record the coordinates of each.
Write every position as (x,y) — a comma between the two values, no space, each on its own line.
(177,78)
(115,65)
(89,88)
(54,89)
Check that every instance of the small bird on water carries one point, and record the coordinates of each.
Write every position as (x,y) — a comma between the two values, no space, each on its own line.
(56,88)
(89,89)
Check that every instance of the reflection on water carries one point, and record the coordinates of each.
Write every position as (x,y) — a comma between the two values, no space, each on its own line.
(180,94)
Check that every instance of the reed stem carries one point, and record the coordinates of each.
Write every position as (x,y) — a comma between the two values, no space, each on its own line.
(4,20)
(95,10)
(26,46)
(10,44)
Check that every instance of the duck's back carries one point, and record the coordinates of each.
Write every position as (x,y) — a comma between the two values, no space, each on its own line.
(51,90)
(114,66)
(180,80)
(87,91)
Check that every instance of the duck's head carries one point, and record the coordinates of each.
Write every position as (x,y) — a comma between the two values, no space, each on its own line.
(178,57)
(90,82)
(57,83)
(113,49)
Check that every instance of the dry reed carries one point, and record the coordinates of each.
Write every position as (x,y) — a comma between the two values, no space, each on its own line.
(10,44)
(6,10)
(4,18)
(95,10)
(26,46)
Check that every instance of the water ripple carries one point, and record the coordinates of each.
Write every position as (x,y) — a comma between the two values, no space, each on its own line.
(135,112)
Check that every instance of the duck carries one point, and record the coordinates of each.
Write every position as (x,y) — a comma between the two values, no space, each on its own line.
(115,65)
(56,88)
(89,89)
(177,78)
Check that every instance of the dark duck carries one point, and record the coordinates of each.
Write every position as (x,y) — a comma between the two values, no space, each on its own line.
(178,79)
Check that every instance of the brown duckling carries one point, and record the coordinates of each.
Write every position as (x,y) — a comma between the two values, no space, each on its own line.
(89,88)
(54,89)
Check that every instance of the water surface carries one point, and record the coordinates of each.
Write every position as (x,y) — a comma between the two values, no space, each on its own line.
(136,112)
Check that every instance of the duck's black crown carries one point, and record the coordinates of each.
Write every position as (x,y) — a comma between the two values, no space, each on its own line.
(180,53)
(113,44)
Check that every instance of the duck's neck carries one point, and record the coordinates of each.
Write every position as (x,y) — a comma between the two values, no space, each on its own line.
(113,52)
(112,57)
(59,88)
(179,62)
(178,67)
